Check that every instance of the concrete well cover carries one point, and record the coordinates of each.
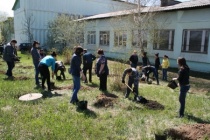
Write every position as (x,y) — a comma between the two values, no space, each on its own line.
(30,97)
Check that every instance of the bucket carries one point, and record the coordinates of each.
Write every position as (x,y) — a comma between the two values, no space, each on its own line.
(82,105)
(172,84)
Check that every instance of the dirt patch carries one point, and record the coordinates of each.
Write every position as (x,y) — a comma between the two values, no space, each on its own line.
(154,105)
(190,132)
(70,87)
(2,72)
(21,78)
(105,100)
(25,67)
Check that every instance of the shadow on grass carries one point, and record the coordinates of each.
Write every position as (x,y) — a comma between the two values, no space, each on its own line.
(94,85)
(108,94)
(196,119)
(49,94)
(88,113)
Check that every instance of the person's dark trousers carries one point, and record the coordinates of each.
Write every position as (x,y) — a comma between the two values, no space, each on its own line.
(61,73)
(36,73)
(10,65)
(133,65)
(155,73)
(103,82)
(88,67)
(43,69)
(164,74)
(182,97)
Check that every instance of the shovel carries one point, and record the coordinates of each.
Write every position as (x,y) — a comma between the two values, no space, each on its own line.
(139,99)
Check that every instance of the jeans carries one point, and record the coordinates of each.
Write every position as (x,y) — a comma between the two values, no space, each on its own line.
(164,74)
(182,97)
(10,65)
(45,75)
(76,81)
(36,73)
(155,74)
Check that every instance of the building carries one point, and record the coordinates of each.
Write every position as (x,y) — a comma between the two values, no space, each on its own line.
(184,28)
(31,17)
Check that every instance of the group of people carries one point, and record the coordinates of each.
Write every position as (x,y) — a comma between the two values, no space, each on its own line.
(183,75)
(42,62)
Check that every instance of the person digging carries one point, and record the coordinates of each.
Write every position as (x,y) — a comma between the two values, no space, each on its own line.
(133,80)
(59,66)
(146,70)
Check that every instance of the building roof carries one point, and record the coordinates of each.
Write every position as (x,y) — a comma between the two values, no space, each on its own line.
(181,6)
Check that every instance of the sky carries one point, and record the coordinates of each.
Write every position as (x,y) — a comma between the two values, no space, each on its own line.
(6,6)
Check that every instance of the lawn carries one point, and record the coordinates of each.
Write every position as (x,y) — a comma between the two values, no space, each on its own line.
(109,116)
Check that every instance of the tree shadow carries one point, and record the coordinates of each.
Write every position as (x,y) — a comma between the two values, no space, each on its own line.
(196,119)
(92,85)
(49,94)
(87,113)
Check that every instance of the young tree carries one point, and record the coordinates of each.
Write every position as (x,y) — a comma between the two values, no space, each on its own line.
(66,30)
(7,29)
(27,26)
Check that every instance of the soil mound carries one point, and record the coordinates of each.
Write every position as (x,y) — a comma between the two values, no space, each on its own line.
(154,105)
(2,72)
(25,67)
(190,132)
(21,78)
(105,100)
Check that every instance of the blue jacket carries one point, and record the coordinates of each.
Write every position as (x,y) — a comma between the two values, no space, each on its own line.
(88,58)
(49,61)
(75,65)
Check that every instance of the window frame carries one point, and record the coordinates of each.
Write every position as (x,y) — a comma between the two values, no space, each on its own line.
(118,36)
(170,40)
(186,34)
(91,34)
(105,37)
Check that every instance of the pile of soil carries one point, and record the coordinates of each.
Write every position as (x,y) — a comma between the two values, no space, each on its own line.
(21,78)
(25,67)
(70,87)
(154,105)
(2,72)
(105,101)
(190,132)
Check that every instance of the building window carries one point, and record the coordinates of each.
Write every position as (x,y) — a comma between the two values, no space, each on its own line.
(139,38)
(120,38)
(104,38)
(195,41)
(164,40)
(91,39)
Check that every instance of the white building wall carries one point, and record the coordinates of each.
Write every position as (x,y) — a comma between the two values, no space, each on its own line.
(44,11)
(177,20)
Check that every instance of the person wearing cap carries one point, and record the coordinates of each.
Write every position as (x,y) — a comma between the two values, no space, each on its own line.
(88,59)
(76,71)
(9,56)
(133,80)
(134,59)
(36,58)
(102,70)
(47,61)
(165,64)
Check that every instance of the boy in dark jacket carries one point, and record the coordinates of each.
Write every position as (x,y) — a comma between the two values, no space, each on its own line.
(133,79)
(9,56)
(88,59)
(147,70)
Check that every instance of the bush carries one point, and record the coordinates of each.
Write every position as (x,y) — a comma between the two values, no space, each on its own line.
(67,54)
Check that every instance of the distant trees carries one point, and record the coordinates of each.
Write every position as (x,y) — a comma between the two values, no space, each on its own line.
(6,27)
(66,30)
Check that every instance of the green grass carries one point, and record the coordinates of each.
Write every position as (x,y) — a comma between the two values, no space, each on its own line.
(55,118)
